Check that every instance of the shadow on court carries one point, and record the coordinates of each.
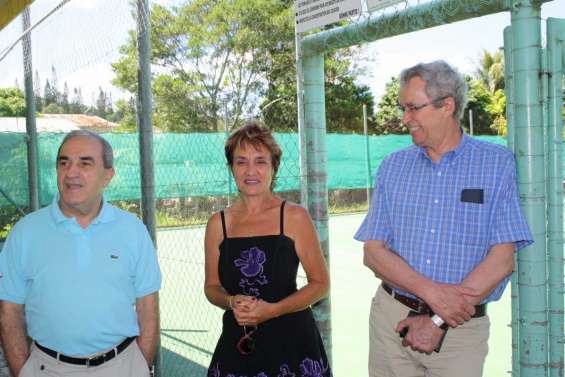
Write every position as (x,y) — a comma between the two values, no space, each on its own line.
(175,365)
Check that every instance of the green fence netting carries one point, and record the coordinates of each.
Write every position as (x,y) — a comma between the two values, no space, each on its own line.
(189,169)
(188,165)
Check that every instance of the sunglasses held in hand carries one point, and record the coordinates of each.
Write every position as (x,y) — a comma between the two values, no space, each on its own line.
(246,343)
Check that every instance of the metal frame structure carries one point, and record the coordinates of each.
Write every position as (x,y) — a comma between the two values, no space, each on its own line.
(537,347)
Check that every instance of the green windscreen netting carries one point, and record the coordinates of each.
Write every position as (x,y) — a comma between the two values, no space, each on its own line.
(191,164)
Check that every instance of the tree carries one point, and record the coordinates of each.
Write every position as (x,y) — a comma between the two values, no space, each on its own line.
(65,99)
(344,105)
(77,105)
(101,104)
(49,94)
(208,64)
(243,57)
(389,118)
(12,102)
(53,108)
(479,100)
(490,70)
(497,109)
(125,114)
(344,98)
(37,92)
(55,85)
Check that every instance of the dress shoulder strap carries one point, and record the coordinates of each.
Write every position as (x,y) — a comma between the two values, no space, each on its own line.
(282,216)
(224,223)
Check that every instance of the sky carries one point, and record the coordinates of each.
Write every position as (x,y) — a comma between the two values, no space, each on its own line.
(84,36)
(460,44)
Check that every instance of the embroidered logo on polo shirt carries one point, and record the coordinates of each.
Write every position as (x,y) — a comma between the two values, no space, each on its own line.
(1,275)
(114,256)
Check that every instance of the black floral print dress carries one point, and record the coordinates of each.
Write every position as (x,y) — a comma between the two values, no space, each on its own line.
(287,346)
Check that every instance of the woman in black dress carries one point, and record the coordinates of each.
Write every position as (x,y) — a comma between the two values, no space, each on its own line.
(253,249)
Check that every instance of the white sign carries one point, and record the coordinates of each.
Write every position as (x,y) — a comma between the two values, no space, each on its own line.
(311,14)
(373,5)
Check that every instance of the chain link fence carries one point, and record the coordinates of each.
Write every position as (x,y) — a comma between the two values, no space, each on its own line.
(192,182)
(73,51)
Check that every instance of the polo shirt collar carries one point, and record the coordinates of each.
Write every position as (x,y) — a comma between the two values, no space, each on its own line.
(106,215)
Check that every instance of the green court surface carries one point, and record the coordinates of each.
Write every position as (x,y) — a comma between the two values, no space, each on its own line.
(190,326)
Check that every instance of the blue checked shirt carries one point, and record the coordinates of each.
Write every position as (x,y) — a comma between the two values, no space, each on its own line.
(431,214)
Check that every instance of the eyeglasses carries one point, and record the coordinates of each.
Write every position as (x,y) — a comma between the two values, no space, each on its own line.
(410,108)
(246,343)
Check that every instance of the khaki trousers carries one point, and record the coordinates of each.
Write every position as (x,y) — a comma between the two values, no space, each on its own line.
(462,354)
(129,363)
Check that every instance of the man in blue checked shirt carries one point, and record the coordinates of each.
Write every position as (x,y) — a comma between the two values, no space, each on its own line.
(441,233)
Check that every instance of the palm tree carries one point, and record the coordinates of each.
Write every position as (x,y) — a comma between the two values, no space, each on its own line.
(490,70)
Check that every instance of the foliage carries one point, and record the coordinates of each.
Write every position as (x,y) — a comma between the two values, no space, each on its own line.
(125,114)
(344,98)
(242,63)
(77,105)
(103,107)
(50,100)
(200,68)
(344,105)
(489,81)
(12,102)
(278,107)
(389,119)
(53,108)
(490,71)
(497,109)
(479,101)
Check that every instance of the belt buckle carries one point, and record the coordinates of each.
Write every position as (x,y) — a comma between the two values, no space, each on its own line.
(421,306)
(96,360)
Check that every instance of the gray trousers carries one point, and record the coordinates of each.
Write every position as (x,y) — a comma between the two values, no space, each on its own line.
(129,363)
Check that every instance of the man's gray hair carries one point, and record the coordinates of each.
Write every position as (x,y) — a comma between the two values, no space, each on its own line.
(107,152)
(442,80)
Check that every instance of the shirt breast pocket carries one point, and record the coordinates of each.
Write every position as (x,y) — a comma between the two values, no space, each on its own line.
(471,223)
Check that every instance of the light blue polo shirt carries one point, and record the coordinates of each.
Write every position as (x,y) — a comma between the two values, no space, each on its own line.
(79,286)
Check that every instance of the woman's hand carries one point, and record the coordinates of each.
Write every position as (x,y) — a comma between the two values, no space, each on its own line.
(242,302)
(241,305)
(259,312)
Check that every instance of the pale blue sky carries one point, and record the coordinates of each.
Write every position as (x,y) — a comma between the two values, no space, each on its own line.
(460,43)
(83,38)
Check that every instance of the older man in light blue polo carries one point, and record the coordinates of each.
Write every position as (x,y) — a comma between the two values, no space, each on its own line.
(80,277)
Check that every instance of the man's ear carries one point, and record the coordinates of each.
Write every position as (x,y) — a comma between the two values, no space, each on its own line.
(109,175)
(449,105)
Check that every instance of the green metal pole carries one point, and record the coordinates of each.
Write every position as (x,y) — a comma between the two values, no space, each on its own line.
(145,131)
(509,91)
(427,15)
(529,148)
(367,154)
(300,119)
(226,136)
(317,177)
(31,128)
(555,31)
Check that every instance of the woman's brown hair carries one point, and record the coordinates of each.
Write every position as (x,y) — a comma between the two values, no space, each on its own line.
(255,134)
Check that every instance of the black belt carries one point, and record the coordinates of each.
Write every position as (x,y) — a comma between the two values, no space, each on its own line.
(421,307)
(88,361)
